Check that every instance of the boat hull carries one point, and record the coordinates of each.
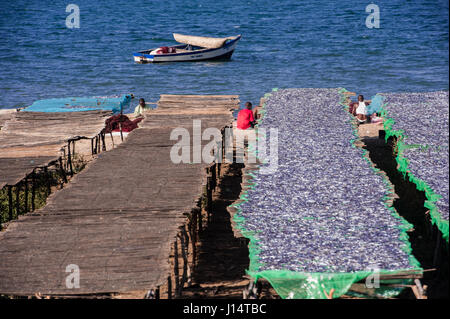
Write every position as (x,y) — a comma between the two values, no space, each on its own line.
(222,53)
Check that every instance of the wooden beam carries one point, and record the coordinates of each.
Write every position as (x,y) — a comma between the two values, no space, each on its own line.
(205,96)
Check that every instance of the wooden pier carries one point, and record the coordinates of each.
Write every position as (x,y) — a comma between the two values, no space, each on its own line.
(116,220)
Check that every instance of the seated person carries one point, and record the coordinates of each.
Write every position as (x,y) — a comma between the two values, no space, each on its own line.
(256,113)
(245,118)
(375,118)
(139,110)
(361,110)
(352,108)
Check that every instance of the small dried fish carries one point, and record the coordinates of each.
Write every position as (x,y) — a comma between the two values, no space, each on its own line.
(323,209)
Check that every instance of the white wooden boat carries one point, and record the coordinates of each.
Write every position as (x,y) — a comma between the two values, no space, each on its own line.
(193,48)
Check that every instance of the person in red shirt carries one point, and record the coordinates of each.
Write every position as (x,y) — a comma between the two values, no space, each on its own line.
(245,118)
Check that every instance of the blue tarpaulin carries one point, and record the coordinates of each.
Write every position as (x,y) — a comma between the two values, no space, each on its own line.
(375,105)
(77,104)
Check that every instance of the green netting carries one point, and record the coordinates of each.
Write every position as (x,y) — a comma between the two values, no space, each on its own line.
(294,285)
(300,285)
(403,167)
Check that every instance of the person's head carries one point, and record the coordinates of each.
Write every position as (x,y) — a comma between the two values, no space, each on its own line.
(142,101)
(360,98)
(248,105)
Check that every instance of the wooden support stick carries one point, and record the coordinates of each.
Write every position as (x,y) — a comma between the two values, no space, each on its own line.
(209,198)
(17,200)
(213,176)
(218,172)
(103,141)
(10,203)
(206,197)
(419,288)
(169,288)
(223,145)
(183,276)
(92,146)
(191,225)
(175,267)
(186,238)
(25,209)
(64,156)
(188,267)
(63,172)
(112,139)
(185,259)
(200,221)
(69,159)
(194,236)
(330,295)
(33,190)
(121,134)
(405,276)
(416,292)
(96,147)
(45,175)
(47,180)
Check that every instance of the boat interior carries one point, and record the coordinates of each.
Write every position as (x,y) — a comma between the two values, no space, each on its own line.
(183,48)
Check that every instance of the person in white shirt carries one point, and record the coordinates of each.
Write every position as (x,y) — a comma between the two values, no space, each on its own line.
(361,110)
(140,108)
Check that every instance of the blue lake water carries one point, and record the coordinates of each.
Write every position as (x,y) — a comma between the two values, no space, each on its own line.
(285,44)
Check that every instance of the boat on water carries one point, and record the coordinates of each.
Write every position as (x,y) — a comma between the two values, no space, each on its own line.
(193,48)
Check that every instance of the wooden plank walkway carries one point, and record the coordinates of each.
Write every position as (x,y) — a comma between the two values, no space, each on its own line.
(117,218)
(13,170)
(34,139)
